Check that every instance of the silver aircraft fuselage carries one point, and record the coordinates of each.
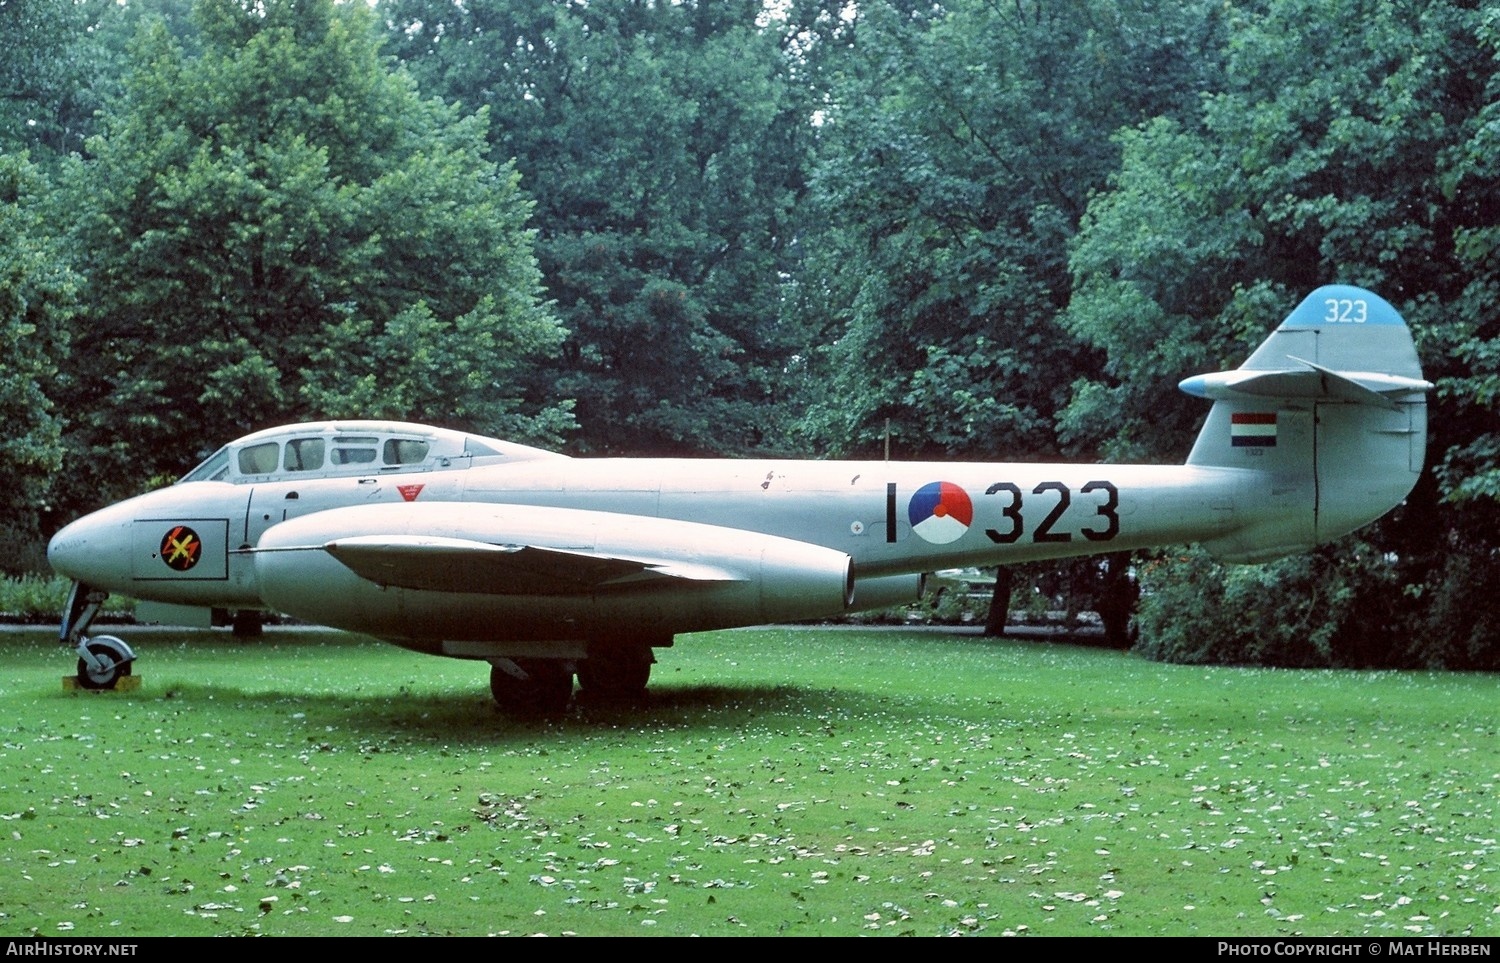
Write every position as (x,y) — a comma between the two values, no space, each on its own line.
(541,564)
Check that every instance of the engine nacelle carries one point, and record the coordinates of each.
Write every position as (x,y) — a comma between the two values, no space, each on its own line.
(419,574)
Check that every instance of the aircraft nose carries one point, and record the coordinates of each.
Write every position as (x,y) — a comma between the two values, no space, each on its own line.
(93,549)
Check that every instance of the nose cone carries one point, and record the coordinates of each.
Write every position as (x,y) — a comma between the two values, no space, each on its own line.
(94,549)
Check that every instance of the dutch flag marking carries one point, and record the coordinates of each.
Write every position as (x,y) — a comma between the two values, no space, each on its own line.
(1252,429)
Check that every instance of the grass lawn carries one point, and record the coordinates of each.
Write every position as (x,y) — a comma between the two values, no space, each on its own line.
(801,781)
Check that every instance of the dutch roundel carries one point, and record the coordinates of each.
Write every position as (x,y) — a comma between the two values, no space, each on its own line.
(940,512)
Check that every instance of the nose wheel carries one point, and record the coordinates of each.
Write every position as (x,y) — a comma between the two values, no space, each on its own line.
(104,660)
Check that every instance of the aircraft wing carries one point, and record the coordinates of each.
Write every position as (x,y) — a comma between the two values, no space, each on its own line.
(440,564)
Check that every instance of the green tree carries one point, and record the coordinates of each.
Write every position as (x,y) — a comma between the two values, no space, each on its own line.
(49,65)
(1332,154)
(37,297)
(279,227)
(957,157)
(1317,162)
(665,145)
(1470,183)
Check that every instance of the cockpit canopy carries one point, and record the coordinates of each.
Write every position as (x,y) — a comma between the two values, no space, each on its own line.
(334,448)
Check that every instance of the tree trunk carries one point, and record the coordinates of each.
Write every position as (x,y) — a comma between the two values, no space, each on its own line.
(1000,602)
(1117,598)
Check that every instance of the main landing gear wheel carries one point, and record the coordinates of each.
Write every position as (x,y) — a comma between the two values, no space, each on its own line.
(616,675)
(532,687)
(110,660)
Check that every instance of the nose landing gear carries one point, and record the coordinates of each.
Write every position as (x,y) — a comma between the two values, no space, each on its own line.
(102,660)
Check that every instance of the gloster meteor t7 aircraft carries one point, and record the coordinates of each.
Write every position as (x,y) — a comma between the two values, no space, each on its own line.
(546,566)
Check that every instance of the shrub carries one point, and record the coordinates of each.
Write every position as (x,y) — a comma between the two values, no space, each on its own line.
(1332,607)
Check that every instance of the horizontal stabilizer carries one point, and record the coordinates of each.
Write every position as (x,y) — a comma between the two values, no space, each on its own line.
(442,564)
(1313,382)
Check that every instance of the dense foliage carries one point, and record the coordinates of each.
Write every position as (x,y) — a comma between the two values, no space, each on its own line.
(37,301)
(666,146)
(977,229)
(1366,163)
(279,225)
(959,152)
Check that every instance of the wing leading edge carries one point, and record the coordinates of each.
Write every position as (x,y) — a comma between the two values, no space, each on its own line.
(439,564)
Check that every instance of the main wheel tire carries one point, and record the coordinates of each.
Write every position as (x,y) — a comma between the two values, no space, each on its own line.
(114,666)
(544,692)
(616,674)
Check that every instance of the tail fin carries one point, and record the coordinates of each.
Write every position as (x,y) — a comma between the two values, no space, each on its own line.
(1330,417)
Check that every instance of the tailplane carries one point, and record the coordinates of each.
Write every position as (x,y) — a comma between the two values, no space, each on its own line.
(1329,417)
